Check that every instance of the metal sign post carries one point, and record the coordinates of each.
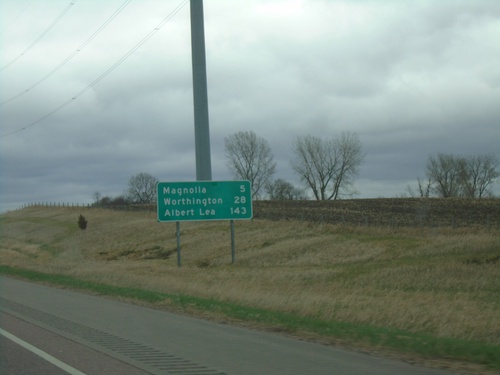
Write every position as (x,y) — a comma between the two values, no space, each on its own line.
(233,252)
(178,235)
(200,93)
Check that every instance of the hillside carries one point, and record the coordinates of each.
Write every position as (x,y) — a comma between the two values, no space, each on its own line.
(435,287)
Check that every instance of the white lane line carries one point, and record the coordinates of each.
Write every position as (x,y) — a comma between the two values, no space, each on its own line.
(42,354)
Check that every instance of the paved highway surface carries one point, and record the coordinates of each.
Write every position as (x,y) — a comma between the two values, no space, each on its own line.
(94,335)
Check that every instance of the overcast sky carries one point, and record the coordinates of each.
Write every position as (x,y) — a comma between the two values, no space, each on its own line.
(84,111)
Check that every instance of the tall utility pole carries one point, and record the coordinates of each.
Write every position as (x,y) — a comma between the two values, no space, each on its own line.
(200,96)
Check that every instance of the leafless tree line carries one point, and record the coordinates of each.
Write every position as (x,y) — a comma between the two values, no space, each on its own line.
(141,190)
(453,176)
(326,167)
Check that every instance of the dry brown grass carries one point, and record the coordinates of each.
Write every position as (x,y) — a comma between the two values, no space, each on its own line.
(441,281)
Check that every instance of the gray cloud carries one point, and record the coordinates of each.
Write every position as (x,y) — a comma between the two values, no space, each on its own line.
(412,79)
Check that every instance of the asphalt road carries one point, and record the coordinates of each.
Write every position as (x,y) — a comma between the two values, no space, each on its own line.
(14,359)
(79,329)
(28,349)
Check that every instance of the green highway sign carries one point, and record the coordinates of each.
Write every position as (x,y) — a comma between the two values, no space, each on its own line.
(204,200)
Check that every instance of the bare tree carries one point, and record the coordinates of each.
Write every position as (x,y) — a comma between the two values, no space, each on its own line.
(250,158)
(97,197)
(444,172)
(462,176)
(328,166)
(424,189)
(477,173)
(142,188)
(283,190)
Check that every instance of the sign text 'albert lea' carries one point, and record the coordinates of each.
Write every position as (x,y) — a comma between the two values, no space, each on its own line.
(204,200)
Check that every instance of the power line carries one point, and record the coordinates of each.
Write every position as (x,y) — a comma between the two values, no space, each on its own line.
(13,21)
(73,54)
(35,42)
(103,75)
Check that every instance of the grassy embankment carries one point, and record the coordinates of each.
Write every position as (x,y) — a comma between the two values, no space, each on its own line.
(432,293)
